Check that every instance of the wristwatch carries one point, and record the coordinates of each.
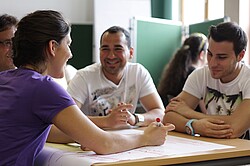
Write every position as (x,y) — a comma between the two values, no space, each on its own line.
(139,119)
(189,127)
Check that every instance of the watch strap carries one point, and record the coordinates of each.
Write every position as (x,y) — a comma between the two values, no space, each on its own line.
(190,127)
(139,119)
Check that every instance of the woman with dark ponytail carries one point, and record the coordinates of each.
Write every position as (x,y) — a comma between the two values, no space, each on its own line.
(190,56)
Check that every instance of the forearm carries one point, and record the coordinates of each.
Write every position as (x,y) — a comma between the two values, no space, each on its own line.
(112,143)
(75,124)
(185,109)
(239,126)
(178,120)
(154,107)
(57,136)
(151,115)
(192,114)
(100,121)
(151,136)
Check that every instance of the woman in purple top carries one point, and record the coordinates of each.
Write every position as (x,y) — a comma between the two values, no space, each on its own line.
(30,101)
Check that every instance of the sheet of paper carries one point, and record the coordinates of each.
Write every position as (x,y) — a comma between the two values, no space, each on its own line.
(173,146)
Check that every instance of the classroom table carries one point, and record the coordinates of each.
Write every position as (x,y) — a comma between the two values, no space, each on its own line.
(238,154)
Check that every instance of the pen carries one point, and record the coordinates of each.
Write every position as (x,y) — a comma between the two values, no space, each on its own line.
(158,120)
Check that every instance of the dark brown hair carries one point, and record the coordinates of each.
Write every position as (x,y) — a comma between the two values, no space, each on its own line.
(180,66)
(33,34)
(7,21)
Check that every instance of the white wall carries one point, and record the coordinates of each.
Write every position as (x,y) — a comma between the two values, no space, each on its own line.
(108,13)
(76,11)
(238,11)
(100,13)
(244,12)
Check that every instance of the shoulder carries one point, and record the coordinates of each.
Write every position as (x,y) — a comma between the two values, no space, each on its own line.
(201,71)
(135,66)
(244,74)
(70,72)
(88,74)
(42,86)
(51,90)
(91,69)
(48,83)
(246,69)
(199,75)
(138,70)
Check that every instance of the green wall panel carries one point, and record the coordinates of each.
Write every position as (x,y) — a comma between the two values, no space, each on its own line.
(161,9)
(81,47)
(156,43)
(204,26)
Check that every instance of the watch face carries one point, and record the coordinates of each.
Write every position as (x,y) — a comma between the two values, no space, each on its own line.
(141,118)
(188,130)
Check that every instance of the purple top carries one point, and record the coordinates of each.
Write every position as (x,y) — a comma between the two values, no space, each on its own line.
(28,103)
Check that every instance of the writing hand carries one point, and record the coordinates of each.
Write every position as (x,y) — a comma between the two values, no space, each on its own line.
(157,134)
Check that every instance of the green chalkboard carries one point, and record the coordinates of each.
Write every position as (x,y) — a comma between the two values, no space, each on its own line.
(204,26)
(156,41)
(81,46)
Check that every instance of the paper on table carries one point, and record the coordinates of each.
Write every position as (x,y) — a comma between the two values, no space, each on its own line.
(173,146)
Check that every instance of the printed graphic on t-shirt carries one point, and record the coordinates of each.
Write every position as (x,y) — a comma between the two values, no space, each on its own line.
(224,104)
(218,103)
(107,98)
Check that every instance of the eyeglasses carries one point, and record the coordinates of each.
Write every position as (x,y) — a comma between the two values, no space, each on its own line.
(6,43)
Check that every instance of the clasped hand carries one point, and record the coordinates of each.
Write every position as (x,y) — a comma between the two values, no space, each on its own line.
(178,105)
(210,127)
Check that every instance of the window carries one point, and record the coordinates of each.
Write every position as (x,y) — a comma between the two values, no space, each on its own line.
(188,12)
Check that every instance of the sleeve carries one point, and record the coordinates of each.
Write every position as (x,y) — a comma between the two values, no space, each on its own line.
(246,91)
(246,88)
(70,72)
(78,88)
(195,83)
(145,81)
(49,99)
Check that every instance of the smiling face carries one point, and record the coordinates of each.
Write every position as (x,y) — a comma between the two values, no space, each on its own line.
(6,52)
(114,55)
(61,54)
(222,61)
